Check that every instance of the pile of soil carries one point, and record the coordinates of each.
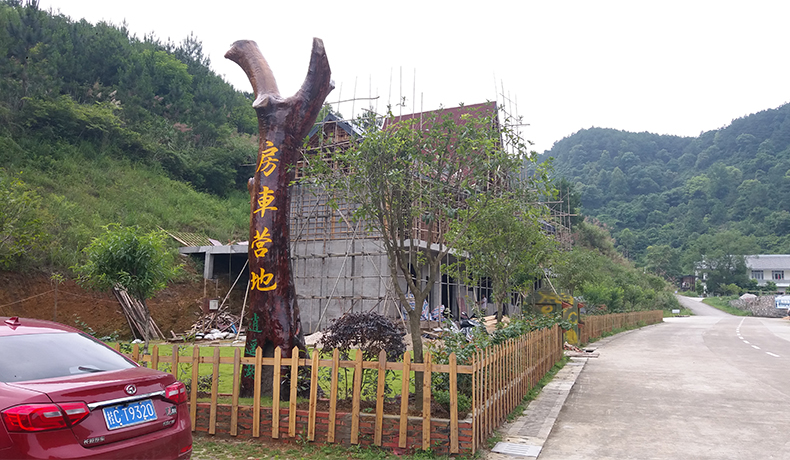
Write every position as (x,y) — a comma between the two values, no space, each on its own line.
(33,295)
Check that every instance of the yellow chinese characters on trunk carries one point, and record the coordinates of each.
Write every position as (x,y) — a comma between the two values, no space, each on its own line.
(268,163)
(260,241)
(265,198)
(262,281)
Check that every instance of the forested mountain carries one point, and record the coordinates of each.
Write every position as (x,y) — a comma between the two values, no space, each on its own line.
(668,199)
(98,126)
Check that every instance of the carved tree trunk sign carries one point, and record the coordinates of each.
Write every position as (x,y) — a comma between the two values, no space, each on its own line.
(283,124)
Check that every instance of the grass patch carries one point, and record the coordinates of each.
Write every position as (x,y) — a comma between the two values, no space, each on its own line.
(723,304)
(205,447)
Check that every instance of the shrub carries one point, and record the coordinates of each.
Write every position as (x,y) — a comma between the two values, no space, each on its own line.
(370,332)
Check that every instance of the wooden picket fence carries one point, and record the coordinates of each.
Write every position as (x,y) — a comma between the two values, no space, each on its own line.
(594,326)
(500,377)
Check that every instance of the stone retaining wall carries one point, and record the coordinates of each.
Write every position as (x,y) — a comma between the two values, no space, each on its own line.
(764,306)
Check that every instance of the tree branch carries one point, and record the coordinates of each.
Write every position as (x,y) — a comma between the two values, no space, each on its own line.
(246,54)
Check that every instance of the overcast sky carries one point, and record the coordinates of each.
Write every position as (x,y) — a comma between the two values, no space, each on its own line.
(667,67)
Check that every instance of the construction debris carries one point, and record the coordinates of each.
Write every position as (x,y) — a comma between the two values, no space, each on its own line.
(136,315)
(218,325)
(573,351)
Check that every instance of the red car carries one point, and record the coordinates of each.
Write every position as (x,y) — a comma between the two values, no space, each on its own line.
(64,394)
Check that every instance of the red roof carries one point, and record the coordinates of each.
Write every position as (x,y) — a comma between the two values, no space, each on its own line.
(484,109)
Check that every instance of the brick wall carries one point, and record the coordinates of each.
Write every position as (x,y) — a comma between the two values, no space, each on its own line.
(440,428)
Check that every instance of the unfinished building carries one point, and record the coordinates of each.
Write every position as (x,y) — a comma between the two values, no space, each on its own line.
(339,264)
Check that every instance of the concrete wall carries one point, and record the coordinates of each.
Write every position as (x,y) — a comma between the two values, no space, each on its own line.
(356,282)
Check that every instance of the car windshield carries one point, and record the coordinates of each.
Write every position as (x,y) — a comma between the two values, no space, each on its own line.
(43,356)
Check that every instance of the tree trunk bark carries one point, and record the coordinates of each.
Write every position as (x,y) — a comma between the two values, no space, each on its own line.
(417,351)
(282,124)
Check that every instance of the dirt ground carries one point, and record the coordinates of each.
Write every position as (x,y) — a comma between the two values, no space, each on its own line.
(34,296)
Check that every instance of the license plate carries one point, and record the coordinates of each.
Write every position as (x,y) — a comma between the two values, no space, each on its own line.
(129,414)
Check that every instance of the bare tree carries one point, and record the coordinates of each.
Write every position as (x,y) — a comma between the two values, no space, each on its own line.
(282,124)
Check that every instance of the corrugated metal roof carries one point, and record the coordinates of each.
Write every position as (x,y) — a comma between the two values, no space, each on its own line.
(192,239)
(768,262)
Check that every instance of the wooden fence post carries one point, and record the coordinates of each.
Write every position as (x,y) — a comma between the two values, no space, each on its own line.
(404,400)
(356,397)
(256,394)
(234,410)
(380,398)
(453,404)
(212,424)
(292,398)
(194,385)
(313,395)
(278,353)
(426,402)
(174,370)
(330,436)
(155,357)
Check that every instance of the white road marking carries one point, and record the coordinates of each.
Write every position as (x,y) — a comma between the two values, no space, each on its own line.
(772,354)
(755,347)
(745,341)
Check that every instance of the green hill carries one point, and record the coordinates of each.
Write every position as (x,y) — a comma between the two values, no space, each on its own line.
(678,193)
(97,126)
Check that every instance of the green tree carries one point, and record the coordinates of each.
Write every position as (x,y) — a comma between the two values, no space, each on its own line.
(575,267)
(664,261)
(627,240)
(721,257)
(22,227)
(517,250)
(409,181)
(618,186)
(132,259)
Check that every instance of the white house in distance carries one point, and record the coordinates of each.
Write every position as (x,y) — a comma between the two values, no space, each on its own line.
(770,267)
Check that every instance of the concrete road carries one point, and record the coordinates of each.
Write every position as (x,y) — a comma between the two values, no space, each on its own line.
(711,386)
